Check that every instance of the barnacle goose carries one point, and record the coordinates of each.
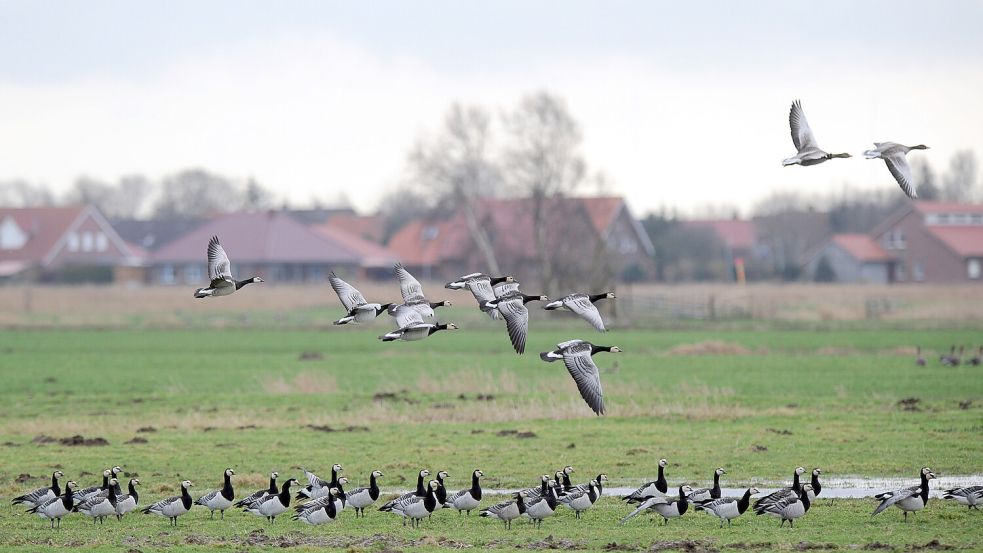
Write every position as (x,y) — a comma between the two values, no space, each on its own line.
(100,505)
(92,491)
(909,500)
(274,505)
(893,155)
(704,494)
(417,508)
(466,500)
(782,493)
(318,511)
(919,358)
(412,292)
(970,496)
(480,285)
(512,306)
(816,486)
(220,273)
(441,491)
(41,495)
(727,508)
(539,491)
(341,498)
(128,501)
(543,507)
(172,507)
(977,359)
(219,500)
(598,482)
(789,507)
(360,498)
(580,500)
(405,315)
(56,507)
(391,506)
(808,151)
(317,487)
(415,331)
(649,489)
(577,355)
(583,306)
(253,497)
(665,506)
(358,310)
(507,511)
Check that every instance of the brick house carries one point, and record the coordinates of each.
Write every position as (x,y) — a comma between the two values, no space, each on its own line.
(850,258)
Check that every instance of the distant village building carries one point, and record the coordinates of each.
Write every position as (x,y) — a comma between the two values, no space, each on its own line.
(851,258)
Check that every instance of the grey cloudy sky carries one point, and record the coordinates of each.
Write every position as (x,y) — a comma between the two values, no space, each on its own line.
(681,103)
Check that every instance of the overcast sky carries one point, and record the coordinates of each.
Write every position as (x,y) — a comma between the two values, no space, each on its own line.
(680,103)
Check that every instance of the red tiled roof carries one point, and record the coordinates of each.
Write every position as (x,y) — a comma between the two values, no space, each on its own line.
(735,234)
(947,207)
(371,253)
(966,241)
(370,227)
(861,247)
(602,211)
(44,226)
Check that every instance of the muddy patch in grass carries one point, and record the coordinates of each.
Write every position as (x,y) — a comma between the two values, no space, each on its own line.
(683,545)
(328,428)
(549,542)
(877,546)
(782,432)
(310,356)
(146,430)
(809,546)
(398,396)
(524,434)
(909,404)
(934,545)
(71,441)
(710,347)
(136,440)
(615,546)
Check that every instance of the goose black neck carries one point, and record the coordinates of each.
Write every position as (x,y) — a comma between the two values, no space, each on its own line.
(593,492)
(924,492)
(334,478)
(227,492)
(594,349)
(105,482)
(383,308)
(527,299)
(566,482)
(186,498)
(475,487)
(795,482)
(594,297)
(744,501)
(715,491)
(661,483)
(67,500)
(600,485)
(544,489)
(54,483)
(520,503)
(682,504)
(497,280)
(112,495)
(550,498)
(816,487)
(241,283)
(437,327)
(133,492)
(373,487)
(805,502)
(430,500)
(420,490)
(272,488)
(285,494)
(436,304)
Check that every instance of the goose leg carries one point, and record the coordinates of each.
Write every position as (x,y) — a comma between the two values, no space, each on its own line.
(211,515)
(223,514)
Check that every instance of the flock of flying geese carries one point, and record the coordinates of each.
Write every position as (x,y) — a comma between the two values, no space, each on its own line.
(322,501)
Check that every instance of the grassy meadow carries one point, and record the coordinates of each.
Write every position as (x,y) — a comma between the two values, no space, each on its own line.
(175,404)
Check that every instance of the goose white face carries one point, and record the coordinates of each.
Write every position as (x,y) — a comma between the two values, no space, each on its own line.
(337,468)
(753,490)
(550,483)
(800,470)
(71,485)
(377,473)
(343,480)
(816,472)
(602,478)
(293,481)
(113,482)
(611,296)
(509,278)
(568,470)
(524,493)
(443,474)
(451,326)
(333,492)
(106,473)
(687,489)
(274,475)
(59,474)
(546,478)
(257,279)
(663,463)
(926,471)
(424,473)
(229,472)
(116,470)
(720,472)
(186,484)
(807,487)
(558,475)
(435,484)
(930,476)
(544,298)
(615,349)
(134,481)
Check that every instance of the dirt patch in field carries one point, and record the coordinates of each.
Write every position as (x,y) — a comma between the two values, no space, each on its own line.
(752,546)
(146,430)
(525,434)
(23,477)
(76,440)
(328,428)
(615,546)
(310,356)
(397,396)
(683,545)
(758,448)
(809,546)
(711,347)
(782,432)
(136,440)
(910,404)
(934,545)
(877,546)
(549,542)
(259,538)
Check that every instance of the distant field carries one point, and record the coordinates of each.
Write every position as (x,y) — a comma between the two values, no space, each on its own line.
(758,402)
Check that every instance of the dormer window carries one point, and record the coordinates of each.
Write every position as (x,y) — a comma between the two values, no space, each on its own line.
(73,242)
(11,235)
(895,240)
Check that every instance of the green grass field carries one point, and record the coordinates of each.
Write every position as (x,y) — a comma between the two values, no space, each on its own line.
(758,402)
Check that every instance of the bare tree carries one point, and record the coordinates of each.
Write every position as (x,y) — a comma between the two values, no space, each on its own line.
(20,193)
(457,167)
(959,184)
(124,200)
(257,197)
(544,162)
(925,182)
(196,192)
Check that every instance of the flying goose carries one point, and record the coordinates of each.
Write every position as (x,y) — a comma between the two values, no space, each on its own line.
(909,500)
(358,310)
(783,493)
(500,289)
(253,497)
(512,306)
(706,494)
(466,500)
(789,507)
(577,356)
(808,151)
(412,292)
(582,305)
(128,501)
(893,155)
(219,500)
(415,331)
(418,508)
(649,489)
(727,508)
(507,511)
(360,498)
(40,495)
(317,487)
(100,505)
(970,496)
(405,315)
(581,500)
(481,287)
(172,507)
(274,505)
(220,273)
(666,507)
(318,511)
(543,507)
(56,507)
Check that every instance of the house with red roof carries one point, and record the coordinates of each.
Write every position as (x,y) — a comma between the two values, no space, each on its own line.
(61,244)
(851,258)
(272,245)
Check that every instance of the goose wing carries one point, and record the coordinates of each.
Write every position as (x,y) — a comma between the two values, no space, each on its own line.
(897,164)
(516,321)
(582,306)
(802,135)
(406,315)
(581,367)
(481,289)
(890,498)
(219,267)
(350,296)
(505,288)
(409,287)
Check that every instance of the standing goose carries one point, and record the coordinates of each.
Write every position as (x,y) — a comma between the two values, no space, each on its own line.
(949,359)
(273,506)
(977,359)
(538,491)
(56,507)
(543,507)
(727,508)
(220,273)
(92,491)
(808,151)
(418,508)
(219,500)
(412,292)
(577,356)
(582,305)
(415,331)
(481,287)
(649,489)
(512,306)
(783,493)
(441,491)
(317,487)
(391,506)
(598,483)
(814,483)
(970,496)
(255,496)
(100,505)
(360,498)
(469,499)
(318,511)
(665,506)
(706,494)
(340,498)
(919,358)
(788,508)
(893,155)
(580,500)
(41,495)
(507,511)
(358,310)
(128,501)
(909,500)
(172,507)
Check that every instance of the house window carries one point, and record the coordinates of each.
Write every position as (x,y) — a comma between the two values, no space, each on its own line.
(960,219)
(73,242)
(973,269)
(894,240)
(193,273)
(918,272)
(976,219)
(102,243)
(87,241)
(899,273)
(942,218)
(167,274)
